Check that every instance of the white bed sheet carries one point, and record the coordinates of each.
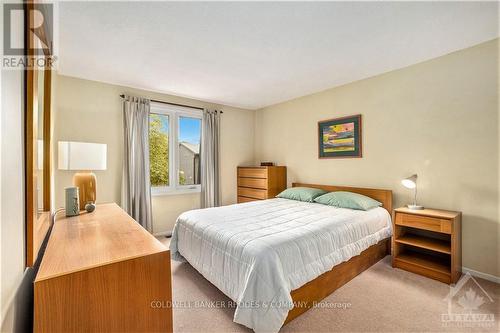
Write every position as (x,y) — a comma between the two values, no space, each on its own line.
(258,252)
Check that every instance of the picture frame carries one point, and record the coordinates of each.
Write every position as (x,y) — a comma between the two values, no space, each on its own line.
(340,137)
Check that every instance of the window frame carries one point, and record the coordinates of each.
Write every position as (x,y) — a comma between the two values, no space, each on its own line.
(174,114)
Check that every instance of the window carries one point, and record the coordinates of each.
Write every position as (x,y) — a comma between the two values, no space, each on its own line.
(174,149)
(158,150)
(189,150)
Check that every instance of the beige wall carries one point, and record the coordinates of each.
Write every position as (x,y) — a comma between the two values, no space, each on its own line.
(15,280)
(12,255)
(438,119)
(91,111)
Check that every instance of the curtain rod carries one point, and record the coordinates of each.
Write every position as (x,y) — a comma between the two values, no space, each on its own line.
(175,104)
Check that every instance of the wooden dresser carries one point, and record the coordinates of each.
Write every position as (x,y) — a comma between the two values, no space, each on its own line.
(102,272)
(259,183)
(428,242)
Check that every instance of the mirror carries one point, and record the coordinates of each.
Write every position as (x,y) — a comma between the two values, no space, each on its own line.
(39,147)
(37,137)
(38,166)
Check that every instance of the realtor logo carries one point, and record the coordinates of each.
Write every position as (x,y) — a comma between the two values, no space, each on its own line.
(470,296)
(33,47)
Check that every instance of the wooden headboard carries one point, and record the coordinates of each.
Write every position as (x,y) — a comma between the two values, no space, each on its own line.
(384,196)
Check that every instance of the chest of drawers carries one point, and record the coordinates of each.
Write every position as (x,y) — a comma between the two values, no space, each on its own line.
(260,183)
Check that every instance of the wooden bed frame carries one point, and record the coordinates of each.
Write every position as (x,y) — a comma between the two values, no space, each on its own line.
(314,291)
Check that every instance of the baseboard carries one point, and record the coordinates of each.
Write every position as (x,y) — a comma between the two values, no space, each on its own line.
(163,233)
(481,275)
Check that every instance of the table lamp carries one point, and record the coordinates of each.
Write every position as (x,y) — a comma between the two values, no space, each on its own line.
(83,157)
(411,183)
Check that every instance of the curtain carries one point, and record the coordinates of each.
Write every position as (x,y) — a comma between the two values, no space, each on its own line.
(136,190)
(210,174)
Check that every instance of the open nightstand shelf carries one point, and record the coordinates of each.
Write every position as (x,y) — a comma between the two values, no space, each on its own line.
(423,242)
(425,261)
(427,242)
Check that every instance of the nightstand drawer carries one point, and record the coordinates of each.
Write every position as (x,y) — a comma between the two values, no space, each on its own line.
(424,222)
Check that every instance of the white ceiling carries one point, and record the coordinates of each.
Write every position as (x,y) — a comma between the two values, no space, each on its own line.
(255,54)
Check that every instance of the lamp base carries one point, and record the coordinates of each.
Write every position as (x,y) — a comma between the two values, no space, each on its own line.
(86,182)
(415,207)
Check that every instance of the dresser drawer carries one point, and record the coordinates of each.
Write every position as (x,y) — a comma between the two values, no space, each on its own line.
(252,172)
(252,193)
(260,183)
(424,222)
(245,199)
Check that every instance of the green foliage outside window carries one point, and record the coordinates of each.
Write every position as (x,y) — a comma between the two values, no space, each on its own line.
(158,150)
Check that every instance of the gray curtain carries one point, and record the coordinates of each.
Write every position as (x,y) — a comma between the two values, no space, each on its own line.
(210,174)
(136,190)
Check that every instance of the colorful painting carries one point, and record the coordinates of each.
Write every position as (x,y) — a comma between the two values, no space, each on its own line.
(340,137)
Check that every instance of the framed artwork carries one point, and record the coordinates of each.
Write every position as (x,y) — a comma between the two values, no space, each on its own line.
(340,137)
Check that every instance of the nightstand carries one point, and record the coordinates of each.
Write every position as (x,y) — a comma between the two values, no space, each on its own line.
(428,242)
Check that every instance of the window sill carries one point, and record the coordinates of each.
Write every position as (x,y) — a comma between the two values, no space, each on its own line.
(180,191)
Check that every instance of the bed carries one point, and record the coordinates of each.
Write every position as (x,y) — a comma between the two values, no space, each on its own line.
(275,258)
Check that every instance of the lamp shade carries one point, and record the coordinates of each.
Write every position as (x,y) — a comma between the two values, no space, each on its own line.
(410,182)
(81,156)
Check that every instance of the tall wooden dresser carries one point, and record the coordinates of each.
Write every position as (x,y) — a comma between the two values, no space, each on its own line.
(102,272)
(259,183)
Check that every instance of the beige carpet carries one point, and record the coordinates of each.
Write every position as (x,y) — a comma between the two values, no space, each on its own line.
(381,299)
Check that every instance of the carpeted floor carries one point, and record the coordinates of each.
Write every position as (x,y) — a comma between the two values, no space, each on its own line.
(381,299)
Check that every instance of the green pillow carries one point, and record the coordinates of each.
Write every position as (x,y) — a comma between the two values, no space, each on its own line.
(305,194)
(350,200)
